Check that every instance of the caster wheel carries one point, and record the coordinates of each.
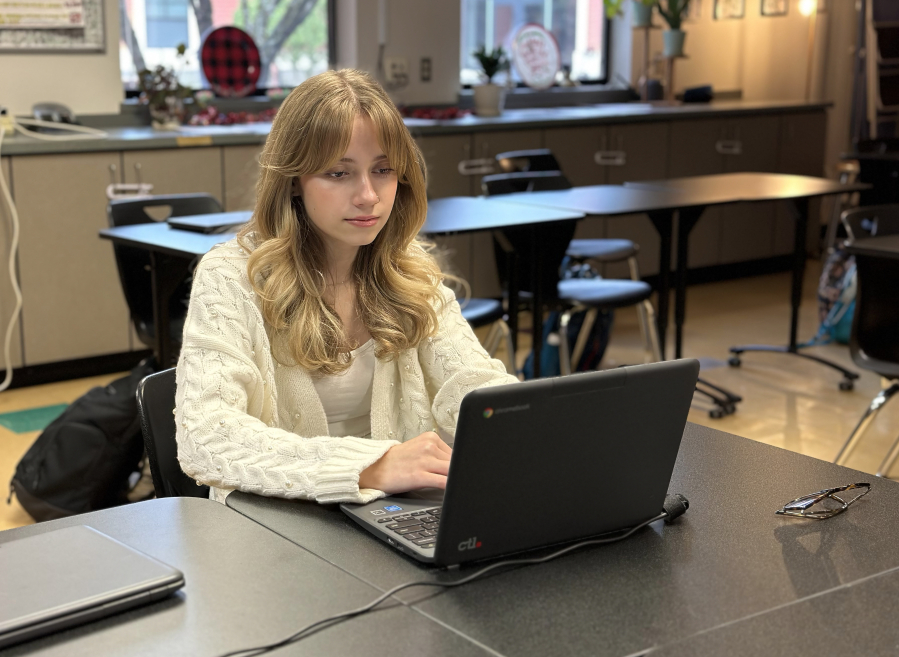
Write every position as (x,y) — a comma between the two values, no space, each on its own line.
(730,409)
(716,414)
(734,361)
(847,384)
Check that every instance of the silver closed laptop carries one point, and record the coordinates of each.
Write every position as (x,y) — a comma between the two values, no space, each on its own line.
(71,576)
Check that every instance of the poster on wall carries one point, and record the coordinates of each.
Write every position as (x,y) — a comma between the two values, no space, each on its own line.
(769,7)
(725,9)
(52,26)
(41,14)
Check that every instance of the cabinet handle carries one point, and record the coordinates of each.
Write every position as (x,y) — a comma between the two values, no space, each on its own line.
(610,158)
(729,147)
(476,167)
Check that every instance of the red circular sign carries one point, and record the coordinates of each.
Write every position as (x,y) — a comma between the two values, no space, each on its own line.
(231,62)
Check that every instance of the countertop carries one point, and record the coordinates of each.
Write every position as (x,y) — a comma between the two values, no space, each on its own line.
(141,138)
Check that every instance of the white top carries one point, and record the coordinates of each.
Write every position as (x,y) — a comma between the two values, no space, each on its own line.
(347,396)
(249,421)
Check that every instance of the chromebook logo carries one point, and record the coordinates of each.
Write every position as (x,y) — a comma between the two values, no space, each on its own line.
(488,412)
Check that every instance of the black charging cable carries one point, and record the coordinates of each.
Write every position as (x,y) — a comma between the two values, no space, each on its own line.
(675,505)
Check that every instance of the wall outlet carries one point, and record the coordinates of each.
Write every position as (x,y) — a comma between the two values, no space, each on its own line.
(7,121)
(396,70)
(425,69)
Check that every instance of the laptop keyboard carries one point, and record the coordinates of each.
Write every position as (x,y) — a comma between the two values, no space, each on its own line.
(419,528)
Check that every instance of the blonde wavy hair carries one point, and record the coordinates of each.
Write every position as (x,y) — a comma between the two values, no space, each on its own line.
(397,279)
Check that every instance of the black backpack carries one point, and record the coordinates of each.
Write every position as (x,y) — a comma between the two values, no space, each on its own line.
(86,458)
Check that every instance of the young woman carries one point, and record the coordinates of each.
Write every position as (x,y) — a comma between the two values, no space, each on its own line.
(322,352)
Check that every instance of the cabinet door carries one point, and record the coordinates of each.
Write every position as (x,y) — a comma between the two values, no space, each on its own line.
(747,229)
(643,149)
(693,152)
(240,166)
(484,278)
(177,170)
(801,152)
(575,149)
(7,296)
(74,306)
(442,157)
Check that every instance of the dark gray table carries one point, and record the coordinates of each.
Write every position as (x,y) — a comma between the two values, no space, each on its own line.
(172,250)
(699,192)
(729,559)
(244,586)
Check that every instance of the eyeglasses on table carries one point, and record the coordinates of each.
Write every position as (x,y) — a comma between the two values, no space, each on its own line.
(825,503)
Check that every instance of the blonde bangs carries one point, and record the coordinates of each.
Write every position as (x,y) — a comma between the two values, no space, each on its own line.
(397,279)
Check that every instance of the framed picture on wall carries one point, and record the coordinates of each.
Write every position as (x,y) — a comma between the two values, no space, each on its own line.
(774,7)
(725,9)
(694,11)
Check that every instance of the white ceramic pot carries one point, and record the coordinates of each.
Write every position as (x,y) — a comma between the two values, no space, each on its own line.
(673,43)
(488,99)
(641,15)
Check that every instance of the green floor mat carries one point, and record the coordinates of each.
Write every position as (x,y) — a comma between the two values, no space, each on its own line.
(31,419)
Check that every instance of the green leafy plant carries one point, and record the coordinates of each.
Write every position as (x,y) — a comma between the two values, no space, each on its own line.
(673,11)
(613,7)
(491,61)
(160,88)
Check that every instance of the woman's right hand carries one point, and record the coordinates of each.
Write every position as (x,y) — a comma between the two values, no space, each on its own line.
(422,462)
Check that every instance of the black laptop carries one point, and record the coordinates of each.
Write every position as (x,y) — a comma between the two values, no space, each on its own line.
(544,462)
(71,576)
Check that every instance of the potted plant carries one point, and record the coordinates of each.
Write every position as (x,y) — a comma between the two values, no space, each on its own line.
(488,97)
(673,11)
(164,95)
(641,11)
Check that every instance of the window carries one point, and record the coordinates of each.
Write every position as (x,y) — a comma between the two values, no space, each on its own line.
(292,36)
(579,26)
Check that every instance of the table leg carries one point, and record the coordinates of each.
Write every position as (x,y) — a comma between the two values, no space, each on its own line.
(663,222)
(167,273)
(686,220)
(800,217)
(537,310)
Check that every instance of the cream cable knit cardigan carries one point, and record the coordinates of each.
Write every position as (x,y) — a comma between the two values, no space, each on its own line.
(245,422)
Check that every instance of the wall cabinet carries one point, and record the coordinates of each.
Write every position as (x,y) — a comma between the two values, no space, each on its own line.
(240,171)
(178,171)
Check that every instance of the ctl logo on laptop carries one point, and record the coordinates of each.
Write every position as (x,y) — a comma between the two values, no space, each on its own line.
(470,544)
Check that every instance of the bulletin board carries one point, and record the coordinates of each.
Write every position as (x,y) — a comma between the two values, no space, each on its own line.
(36,26)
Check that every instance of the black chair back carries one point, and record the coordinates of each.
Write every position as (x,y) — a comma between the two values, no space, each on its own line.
(155,401)
(871,221)
(537,159)
(523,181)
(873,343)
(134,264)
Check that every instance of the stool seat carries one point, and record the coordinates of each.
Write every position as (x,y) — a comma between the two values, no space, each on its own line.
(603,292)
(606,250)
(481,312)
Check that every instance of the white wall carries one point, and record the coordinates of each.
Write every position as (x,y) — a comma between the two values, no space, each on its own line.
(415,29)
(89,83)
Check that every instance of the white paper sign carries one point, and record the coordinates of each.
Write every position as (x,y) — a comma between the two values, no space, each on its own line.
(41,14)
(536,56)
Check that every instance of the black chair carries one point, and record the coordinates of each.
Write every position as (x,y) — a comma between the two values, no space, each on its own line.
(155,401)
(490,312)
(873,343)
(134,264)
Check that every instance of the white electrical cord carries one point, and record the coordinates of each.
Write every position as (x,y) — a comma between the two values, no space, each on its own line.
(14,247)
(78,131)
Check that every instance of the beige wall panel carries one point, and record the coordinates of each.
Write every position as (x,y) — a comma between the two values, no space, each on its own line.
(241,171)
(575,149)
(442,156)
(7,296)
(177,170)
(74,305)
